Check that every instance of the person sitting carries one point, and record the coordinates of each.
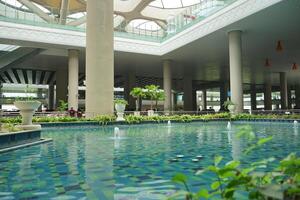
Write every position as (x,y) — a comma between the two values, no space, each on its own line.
(72,112)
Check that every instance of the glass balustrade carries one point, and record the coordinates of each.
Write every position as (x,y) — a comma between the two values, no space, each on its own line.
(175,23)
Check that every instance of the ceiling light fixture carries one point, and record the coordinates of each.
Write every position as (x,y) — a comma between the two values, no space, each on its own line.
(267,63)
(294,66)
(279,47)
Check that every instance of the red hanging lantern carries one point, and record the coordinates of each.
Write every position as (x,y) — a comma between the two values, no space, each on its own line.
(294,66)
(267,63)
(279,47)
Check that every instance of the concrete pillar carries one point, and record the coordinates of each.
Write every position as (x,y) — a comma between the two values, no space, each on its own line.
(268,92)
(51,97)
(188,93)
(40,97)
(1,98)
(253,97)
(223,94)
(235,62)
(61,86)
(167,74)
(64,9)
(297,91)
(204,101)
(130,83)
(289,93)
(73,79)
(283,90)
(99,58)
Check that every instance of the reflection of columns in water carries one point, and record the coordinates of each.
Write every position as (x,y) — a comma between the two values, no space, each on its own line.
(99,155)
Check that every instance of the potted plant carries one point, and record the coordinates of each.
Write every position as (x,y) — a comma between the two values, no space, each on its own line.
(120,105)
(151,93)
(230,106)
(138,94)
(27,107)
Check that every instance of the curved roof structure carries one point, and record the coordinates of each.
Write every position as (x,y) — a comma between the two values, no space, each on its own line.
(148,15)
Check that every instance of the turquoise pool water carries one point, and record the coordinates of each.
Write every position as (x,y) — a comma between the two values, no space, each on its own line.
(89,163)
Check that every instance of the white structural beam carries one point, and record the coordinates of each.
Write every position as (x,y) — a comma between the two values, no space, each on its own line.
(64,9)
(78,21)
(35,9)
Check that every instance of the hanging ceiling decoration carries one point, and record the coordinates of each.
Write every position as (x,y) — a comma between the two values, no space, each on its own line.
(267,63)
(294,66)
(279,47)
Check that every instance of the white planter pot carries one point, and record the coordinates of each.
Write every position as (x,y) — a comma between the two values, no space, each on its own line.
(27,109)
(150,113)
(120,108)
(137,113)
(231,108)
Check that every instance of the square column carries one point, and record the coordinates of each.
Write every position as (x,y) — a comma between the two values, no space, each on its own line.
(204,99)
(236,76)
(223,94)
(283,90)
(73,79)
(297,91)
(167,75)
(129,84)
(188,93)
(99,58)
(253,97)
(61,86)
(51,97)
(268,92)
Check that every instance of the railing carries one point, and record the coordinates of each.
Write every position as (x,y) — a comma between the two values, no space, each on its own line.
(175,24)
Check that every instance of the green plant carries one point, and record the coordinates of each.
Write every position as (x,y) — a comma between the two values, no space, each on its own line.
(104,119)
(63,106)
(227,103)
(151,93)
(138,93)
(28,97)
(9,127)
(121,101)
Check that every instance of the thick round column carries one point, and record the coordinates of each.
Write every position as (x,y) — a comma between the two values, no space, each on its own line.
(253,97)
(167,73)
(51,97)
(235,62)
(99,58)
(73,79)
(283,90)
(61,86)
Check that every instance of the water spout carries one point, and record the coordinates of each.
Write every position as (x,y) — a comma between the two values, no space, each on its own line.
(117,133)
(169,123)
(295,122)
(229,125)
